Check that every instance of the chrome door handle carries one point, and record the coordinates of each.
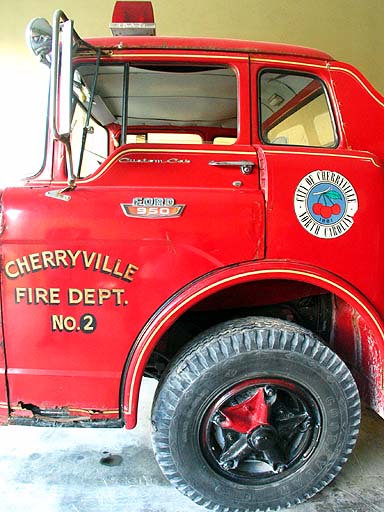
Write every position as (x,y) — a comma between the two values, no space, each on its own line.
(246,166)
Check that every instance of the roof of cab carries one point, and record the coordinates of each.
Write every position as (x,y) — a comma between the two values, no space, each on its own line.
(207,44)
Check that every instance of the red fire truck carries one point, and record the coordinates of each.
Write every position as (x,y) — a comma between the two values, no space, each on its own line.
(208,215)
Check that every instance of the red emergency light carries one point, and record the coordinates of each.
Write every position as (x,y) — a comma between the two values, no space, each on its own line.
(133,19)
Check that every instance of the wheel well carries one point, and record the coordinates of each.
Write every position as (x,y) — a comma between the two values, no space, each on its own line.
(337,322)
(301,303)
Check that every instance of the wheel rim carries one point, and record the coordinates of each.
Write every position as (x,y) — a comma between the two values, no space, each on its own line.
(260,430)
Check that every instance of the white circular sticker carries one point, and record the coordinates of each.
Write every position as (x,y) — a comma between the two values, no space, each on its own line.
(325,204)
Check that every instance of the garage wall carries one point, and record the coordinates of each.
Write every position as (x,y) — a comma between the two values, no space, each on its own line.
(347,29)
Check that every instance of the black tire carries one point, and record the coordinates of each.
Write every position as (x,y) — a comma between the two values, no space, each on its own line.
(225,368)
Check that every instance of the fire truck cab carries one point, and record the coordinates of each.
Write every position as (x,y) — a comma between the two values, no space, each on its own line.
(208,215)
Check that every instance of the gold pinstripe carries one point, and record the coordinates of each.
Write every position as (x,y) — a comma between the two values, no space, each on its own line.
(294,63)
(349,72)
(333,155)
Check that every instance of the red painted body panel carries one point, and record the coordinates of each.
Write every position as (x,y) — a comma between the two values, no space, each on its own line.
(364,116)
(352,338)
(87,291)
(4,410)
(168,254)
(345,256)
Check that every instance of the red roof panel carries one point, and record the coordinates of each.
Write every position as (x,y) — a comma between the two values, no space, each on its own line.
(208,44)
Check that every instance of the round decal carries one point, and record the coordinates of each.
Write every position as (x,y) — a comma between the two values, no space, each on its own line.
(325,203)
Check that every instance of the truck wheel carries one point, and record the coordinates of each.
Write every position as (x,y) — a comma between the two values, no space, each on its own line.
(255,414)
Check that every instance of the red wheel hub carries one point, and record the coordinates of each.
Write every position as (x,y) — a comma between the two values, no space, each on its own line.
(248,415)
(261,428)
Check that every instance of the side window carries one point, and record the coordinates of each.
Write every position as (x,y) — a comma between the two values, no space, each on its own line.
(294,110)
(96,145)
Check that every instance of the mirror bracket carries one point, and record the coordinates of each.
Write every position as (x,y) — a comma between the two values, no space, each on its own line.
(55,46)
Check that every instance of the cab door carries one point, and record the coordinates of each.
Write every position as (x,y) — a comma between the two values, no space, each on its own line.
(320,196)
(85,272)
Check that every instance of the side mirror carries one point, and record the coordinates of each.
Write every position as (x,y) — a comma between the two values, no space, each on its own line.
(39,39)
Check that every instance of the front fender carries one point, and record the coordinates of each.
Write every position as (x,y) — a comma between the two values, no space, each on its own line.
(225,278)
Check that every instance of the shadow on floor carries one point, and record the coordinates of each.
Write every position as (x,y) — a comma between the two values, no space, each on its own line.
(59,470)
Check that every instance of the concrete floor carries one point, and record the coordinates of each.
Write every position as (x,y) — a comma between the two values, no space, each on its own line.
(59,470)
